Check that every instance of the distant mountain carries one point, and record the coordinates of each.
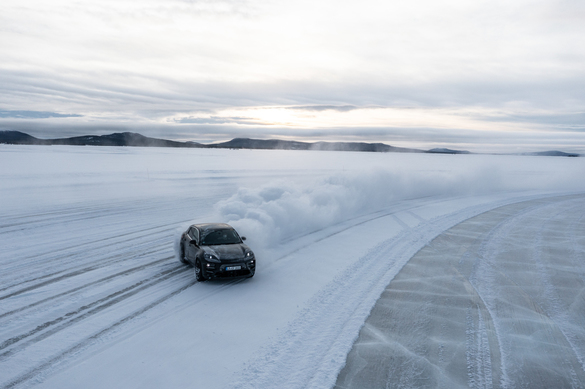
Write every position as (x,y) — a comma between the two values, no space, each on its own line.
(20,138)
(121,139)
(276,144)
(138,140)
(360,146)
(552,153)
(260,144)
(447,151)
(116,139)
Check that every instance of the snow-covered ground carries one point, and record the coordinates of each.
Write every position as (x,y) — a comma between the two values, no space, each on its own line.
(91,294)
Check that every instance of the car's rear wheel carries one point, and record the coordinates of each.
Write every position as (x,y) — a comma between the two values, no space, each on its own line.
(199,271)
(182,257)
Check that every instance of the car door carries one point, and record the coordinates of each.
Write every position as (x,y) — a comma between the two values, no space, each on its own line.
(192,249)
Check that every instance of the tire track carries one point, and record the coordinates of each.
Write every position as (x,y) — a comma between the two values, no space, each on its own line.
(73,273)
(98,306)
(85,286)
(114,208)
(445,272)
(45,330)
(553,306)
(70,318)
(317,356)
(72,214)
(484,277)
(88,341)
(104,300)
(118,240)
(112,241)
(358,221)
(487,250)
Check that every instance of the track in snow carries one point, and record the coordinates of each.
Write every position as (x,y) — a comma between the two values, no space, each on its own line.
(90,291)
(116,293)
(52,308)
(492,302)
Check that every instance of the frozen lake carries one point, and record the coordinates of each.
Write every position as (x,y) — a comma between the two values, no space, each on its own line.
(498,299)
(92,294)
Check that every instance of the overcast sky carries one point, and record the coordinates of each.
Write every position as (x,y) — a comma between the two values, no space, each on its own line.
(481,75)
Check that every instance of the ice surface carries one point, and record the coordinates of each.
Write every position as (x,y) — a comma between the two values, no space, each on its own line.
(92,295)
(495,301)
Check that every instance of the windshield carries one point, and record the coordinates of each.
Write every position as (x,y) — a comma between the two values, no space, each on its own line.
(215,237)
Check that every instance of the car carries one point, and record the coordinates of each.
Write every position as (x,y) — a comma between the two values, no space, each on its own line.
(216,250)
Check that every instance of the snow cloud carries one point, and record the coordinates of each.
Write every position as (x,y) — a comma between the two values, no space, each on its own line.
(274,213)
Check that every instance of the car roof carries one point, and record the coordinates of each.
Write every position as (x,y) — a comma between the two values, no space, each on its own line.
(212,226)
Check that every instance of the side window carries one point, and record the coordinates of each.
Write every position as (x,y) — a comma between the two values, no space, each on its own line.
(194,232)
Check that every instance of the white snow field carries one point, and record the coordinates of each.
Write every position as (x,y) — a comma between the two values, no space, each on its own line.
(92,295)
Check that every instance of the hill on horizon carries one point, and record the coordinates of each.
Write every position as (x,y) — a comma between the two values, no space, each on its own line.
(132,139)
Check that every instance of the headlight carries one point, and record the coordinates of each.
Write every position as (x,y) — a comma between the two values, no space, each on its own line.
(249,255)
(211,258)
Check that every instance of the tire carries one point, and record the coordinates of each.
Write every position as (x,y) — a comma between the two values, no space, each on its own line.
(199,271)
(182,255)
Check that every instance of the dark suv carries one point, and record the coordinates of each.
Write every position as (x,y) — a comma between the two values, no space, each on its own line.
(216,251)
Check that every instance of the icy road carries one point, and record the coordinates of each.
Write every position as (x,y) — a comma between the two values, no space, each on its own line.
(479,262)
(499,300)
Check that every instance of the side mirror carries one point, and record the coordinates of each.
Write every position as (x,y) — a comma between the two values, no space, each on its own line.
(193,242)
(243,238)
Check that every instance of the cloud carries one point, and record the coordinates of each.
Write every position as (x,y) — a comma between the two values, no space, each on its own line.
(569,121)
(218,120)
(138,96)
(120,64)
(318,108)
(35,115)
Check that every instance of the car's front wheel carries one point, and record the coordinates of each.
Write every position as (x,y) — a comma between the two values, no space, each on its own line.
(199,271)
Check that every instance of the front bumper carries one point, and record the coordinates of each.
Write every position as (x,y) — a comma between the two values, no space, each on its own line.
(218,270)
